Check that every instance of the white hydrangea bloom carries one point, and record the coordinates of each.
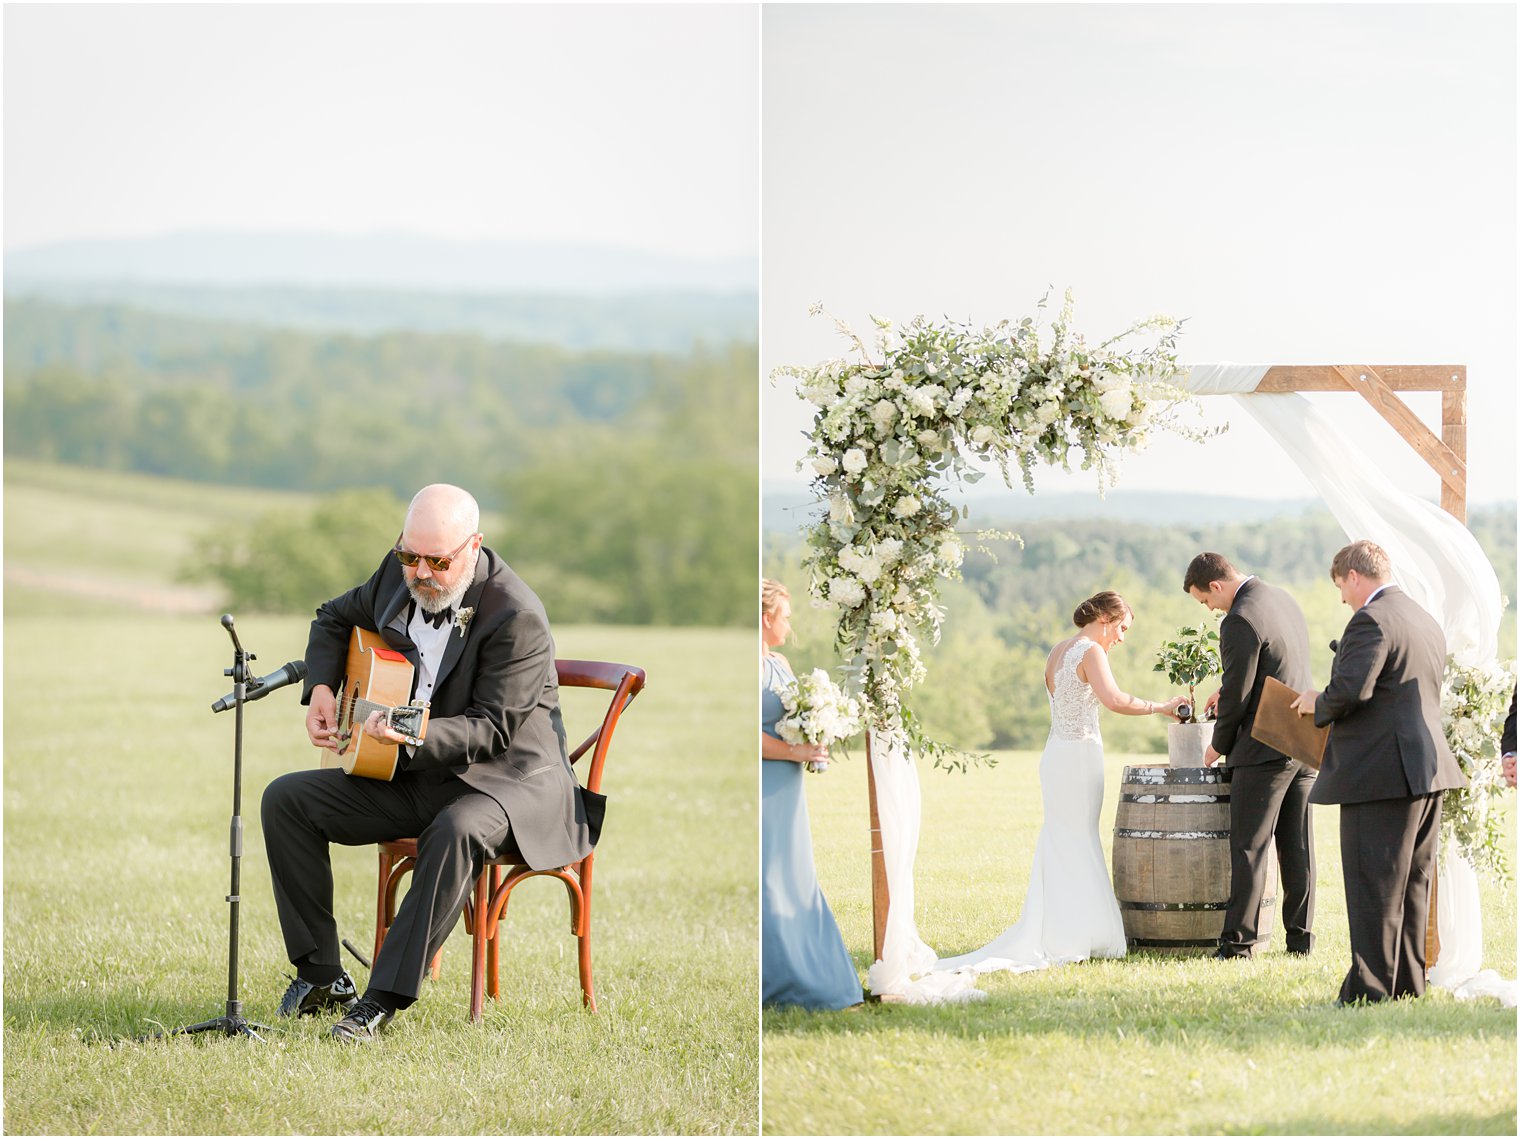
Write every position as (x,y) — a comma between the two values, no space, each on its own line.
(863,564)
(846,591)
(1116,403)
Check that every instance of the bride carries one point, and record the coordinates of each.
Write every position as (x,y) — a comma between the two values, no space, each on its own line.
(1070,913)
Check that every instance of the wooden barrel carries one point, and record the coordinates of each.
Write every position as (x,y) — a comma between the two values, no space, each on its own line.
(1171,858)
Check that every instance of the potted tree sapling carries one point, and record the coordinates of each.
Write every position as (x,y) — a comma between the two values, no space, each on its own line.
(1188,659)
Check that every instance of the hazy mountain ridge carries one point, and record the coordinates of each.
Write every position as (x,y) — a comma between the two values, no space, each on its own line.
(574,296)
(378,261)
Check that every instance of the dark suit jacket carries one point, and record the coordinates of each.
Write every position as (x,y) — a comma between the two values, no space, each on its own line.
(495,719)
(1507,739)
(1384,702)
(1264,634)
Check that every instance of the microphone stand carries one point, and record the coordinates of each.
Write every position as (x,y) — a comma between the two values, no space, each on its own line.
(232,1022)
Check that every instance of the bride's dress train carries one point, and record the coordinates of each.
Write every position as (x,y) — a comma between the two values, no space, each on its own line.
(1070,913)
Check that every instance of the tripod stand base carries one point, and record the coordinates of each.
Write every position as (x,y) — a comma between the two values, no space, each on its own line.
(226,1025)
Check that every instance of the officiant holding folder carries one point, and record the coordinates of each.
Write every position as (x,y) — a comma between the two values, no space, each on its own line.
(1262,636)
(1386,764)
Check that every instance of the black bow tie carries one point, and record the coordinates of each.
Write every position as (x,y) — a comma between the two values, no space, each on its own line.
(438,619)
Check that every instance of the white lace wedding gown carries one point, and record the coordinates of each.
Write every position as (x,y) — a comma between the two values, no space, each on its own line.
(1070,913)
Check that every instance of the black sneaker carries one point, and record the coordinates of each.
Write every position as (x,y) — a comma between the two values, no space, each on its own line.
(363,1022)
(303,998)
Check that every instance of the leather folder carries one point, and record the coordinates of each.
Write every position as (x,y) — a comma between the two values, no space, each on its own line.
(1283,729)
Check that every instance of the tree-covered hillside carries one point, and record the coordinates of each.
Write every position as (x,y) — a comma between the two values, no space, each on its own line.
(627,479)
(631,321)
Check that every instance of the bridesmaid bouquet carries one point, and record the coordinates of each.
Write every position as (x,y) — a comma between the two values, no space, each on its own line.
(817,712)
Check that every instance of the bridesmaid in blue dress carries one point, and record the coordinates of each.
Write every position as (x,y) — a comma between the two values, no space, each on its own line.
(803,959)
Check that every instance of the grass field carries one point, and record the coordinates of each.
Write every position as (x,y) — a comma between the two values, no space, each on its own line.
(1144,1045)
(118,792)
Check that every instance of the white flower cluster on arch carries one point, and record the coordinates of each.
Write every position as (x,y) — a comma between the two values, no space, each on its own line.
(890,436)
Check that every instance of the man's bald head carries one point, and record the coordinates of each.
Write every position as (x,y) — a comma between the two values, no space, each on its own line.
(443,508)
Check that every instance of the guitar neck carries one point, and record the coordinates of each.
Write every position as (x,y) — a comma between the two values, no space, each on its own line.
(363,708)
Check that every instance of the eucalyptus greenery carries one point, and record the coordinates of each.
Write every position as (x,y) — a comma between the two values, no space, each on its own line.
(1474,701)
(1190,657)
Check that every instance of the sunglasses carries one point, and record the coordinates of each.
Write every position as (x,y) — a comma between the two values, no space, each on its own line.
(438,562)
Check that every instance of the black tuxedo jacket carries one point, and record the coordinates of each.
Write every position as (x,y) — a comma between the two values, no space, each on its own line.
(1384,704)
(495,719)
(1264,634)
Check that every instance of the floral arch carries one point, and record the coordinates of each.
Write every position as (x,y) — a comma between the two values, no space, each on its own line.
(891,437)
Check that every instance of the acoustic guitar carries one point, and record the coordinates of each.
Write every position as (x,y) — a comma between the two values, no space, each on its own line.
(377,678)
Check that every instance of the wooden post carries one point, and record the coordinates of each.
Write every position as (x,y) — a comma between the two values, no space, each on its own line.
(879,894)
(1454,435)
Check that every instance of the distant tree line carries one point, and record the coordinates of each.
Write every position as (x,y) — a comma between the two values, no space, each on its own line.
(627,480)
(644,321)
(985,684)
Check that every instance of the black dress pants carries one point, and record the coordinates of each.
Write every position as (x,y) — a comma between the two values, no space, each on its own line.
(1269,803)
(457,829)
(1388,854)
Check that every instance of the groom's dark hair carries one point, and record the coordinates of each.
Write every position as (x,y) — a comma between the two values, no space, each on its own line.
(1206,567)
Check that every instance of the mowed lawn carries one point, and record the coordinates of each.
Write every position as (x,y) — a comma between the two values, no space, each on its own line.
(1144,1045)
(118,794)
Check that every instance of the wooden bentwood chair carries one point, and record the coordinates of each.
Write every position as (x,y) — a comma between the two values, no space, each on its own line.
(487,906)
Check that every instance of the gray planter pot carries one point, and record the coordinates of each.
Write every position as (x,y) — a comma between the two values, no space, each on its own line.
(1186,743)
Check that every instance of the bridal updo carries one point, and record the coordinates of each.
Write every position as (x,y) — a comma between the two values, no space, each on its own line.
(1105,606)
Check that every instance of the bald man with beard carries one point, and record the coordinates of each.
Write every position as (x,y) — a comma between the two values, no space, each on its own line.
(491,778)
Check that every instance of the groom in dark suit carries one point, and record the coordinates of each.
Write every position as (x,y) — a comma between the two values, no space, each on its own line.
(1262,634)
(1386,764)
(491,777)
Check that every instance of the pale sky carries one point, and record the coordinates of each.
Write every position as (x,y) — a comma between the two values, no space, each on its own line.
(632,126)
(1305,184)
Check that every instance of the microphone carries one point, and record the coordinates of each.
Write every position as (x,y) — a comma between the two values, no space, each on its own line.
(287,673)
(1335,646)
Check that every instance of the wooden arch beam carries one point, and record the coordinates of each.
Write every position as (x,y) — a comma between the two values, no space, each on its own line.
(1379,385)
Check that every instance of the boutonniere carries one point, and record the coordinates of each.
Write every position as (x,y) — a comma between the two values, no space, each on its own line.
(463,618)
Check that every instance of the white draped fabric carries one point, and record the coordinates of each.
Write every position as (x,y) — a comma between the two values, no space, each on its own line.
(903,971)
(1459,922)
(1436,561)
